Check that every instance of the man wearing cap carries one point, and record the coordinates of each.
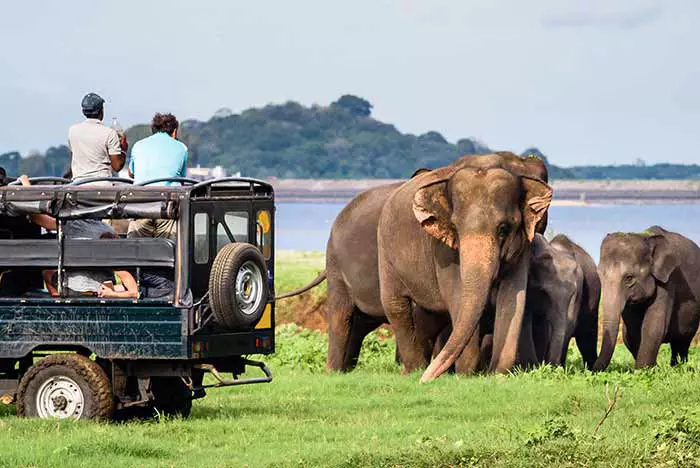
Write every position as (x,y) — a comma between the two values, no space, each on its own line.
(96,150)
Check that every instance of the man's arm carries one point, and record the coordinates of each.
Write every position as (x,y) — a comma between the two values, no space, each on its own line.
(116,148)
(129,284)
(45,221)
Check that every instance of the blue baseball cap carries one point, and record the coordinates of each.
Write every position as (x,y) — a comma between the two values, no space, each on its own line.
(92,103)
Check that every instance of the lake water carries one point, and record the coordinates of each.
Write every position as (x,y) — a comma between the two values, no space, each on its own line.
(305,226)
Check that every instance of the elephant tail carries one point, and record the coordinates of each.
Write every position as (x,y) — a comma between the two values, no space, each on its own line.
(318,280)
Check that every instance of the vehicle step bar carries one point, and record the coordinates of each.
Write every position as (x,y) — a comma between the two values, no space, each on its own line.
(223,382)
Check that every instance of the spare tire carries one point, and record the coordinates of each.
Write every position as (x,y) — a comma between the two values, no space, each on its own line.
(238,286)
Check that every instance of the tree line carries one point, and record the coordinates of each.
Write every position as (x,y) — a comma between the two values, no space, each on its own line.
(341,140)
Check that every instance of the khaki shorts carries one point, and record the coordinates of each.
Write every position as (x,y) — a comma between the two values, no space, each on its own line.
(153,228)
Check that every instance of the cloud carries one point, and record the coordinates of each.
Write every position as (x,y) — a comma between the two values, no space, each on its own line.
(613,20)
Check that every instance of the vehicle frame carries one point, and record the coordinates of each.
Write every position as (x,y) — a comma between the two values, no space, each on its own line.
(135,340)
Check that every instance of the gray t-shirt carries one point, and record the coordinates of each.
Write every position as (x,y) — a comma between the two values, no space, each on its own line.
(88,280)
(91,144)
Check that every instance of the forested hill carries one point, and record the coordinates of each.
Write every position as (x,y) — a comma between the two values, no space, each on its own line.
(341,140)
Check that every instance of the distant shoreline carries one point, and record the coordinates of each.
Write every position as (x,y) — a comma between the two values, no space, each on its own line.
(566,192)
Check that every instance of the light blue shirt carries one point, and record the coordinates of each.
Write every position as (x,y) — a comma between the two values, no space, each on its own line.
(158,156)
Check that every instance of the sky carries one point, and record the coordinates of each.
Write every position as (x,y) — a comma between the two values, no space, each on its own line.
(595,82)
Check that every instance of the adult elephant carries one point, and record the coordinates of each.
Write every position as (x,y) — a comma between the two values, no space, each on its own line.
(445,238)
(650,280)
(563,294)
(354,305)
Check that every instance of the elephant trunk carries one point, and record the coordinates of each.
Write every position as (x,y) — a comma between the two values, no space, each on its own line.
(478,267)
(613,305)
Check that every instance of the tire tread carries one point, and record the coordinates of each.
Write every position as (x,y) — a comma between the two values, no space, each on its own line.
(89,370)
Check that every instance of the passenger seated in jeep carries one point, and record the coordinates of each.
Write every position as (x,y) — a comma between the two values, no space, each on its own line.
(98,283)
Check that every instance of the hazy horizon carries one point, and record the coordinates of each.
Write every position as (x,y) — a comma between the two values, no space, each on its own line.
(599,83)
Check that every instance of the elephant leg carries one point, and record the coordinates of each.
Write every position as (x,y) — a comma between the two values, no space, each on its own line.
(485,351)
(399,311)
(654,327)
(527,350)
(510,308)
(631,337)
(586,335)
(679,351)
(683,352)
(468,361)
(431,327)
(441,340)
(339,317)
(360,327)
(540,336)
(674,353)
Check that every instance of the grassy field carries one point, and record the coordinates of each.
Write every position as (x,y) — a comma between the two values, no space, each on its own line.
(377,417)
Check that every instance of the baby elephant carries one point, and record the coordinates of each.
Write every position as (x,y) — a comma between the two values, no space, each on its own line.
(563,294)
(651,280)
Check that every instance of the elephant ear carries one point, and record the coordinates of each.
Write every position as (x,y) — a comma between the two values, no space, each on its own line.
(536,201)
(420,171)
(663,260)
(432,208)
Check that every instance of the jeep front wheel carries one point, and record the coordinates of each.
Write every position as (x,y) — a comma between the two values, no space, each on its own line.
(238,286)
(65,386)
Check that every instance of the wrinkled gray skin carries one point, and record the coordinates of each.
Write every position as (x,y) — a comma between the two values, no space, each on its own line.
(474,225)
(563,294)
(651,281)
(354,303)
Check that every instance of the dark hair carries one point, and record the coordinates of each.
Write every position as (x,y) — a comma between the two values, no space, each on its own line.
(166,123)
(94,114)
(3,176)
(68,174)
(109,235)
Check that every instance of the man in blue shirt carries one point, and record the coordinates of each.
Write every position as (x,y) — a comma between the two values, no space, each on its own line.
(160,155)
(156,157)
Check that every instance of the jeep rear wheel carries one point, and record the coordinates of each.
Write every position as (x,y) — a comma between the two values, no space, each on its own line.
(65,386)
(238,286)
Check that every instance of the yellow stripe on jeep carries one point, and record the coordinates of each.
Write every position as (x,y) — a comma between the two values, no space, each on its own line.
(266,319)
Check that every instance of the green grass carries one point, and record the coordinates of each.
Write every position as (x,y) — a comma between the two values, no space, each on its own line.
(294,269)
(374,416)
(377,417)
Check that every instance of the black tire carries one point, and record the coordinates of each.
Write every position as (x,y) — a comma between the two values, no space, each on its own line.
(69,375)
(171,396)
(223,294)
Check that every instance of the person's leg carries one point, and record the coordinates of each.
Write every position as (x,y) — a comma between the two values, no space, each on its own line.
(165,228)
(141,228)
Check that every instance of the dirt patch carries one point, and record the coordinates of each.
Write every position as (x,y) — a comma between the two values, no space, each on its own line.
(307,310)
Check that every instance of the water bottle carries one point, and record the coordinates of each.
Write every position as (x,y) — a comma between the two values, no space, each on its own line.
(117,128)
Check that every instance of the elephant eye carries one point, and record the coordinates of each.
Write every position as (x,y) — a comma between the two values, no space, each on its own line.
(629,280)
(504,229)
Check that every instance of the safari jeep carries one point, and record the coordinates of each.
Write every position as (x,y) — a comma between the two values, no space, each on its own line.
(90,357)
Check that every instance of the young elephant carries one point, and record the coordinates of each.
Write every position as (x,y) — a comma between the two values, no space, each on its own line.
(562,300)
(651,280)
